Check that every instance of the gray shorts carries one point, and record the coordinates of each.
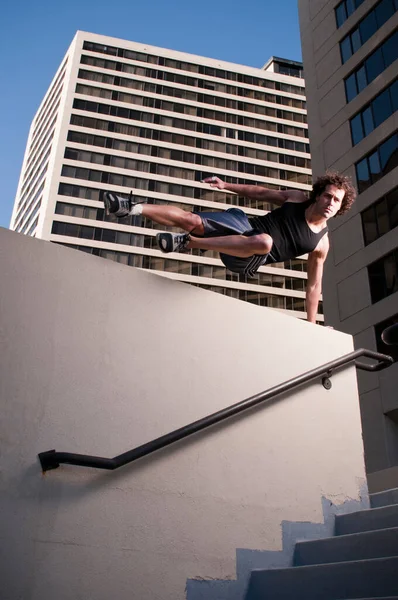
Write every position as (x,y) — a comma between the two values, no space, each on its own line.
(233,222)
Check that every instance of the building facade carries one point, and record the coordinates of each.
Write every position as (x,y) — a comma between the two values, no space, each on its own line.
(126,116)
(350,52)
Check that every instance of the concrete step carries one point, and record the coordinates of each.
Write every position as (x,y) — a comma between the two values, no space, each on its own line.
(367,520)
(384,498)
(356,546)
(336,581)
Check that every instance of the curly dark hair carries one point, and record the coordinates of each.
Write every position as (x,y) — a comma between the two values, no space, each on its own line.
(340,181)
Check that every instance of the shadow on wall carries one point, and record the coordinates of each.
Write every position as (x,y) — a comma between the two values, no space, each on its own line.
(247,560)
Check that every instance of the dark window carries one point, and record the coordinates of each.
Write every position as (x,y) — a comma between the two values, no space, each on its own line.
(389,154)
(382,107)
(341,14)
(356,40)
(356,129)
(351,87)
(394,94)
(374,167)
(362,80)
(390,49)
(384,10)
(363,176)
(383,277)
(368,26)
(368,120)
(346,49)
(369,225)
(374,65)
(392,204)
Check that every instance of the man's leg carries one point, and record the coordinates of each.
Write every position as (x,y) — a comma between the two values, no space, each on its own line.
(171,216)
(234,245)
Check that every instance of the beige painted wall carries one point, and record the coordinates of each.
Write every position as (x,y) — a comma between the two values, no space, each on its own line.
(99,358)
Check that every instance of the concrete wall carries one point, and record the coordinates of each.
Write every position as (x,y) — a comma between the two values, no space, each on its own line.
(99,358)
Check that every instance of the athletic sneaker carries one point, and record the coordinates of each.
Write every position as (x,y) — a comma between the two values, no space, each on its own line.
(173,242)
(118,205)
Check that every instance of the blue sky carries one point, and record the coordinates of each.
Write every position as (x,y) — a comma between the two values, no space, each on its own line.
(34,37)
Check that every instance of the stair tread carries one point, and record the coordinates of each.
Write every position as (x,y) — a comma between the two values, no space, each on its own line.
(332,581)
(363,534)
(369,561)
(379,543)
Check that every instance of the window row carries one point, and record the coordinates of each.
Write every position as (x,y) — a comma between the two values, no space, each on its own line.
(32,226)
(170,265)
(29,169)
(186,140)
(194,111)
(147,86)
(374,113)
(88,193)
(367,27)
(377,163)
(150,117)
(291,70)
(52,92)
(25,207)
(47,128)
(29,183)
(191,67)
(98,214)
(180,155)
(167,170)
(26,196)
(383,276)
(259,299)
(380,218)
(165,187)
(44,126)
(372,66)
(345,9)
(29,224)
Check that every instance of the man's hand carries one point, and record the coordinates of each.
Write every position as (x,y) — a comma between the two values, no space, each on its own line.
(215,182)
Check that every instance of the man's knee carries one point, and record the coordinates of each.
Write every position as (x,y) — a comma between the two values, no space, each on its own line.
(191,221)
(263,243)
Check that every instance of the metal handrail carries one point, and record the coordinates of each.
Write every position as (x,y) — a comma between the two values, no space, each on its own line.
(52,459)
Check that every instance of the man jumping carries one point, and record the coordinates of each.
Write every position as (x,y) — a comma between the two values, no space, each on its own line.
(298,226)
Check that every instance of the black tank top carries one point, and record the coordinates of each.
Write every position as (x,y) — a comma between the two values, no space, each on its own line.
(289,229)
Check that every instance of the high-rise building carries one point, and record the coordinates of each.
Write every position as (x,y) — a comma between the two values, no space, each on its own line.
(124,116)
(350,52)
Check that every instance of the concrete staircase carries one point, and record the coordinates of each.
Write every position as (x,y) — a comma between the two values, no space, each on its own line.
(359,562)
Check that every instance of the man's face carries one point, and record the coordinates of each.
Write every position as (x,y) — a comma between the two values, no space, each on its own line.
(329,202)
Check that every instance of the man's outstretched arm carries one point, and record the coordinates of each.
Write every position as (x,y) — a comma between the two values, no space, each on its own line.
(316,260)
(257,192)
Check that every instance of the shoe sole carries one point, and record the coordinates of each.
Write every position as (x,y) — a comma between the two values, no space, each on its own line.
(106,202)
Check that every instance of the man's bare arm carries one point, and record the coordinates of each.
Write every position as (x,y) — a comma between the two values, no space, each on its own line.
(316,260)
(257,192)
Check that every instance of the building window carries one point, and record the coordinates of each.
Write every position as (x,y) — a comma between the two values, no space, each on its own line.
(383,276)
(367,27)
(377,111)
(377,163)
(345,10)
(380,218)
(371,67)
